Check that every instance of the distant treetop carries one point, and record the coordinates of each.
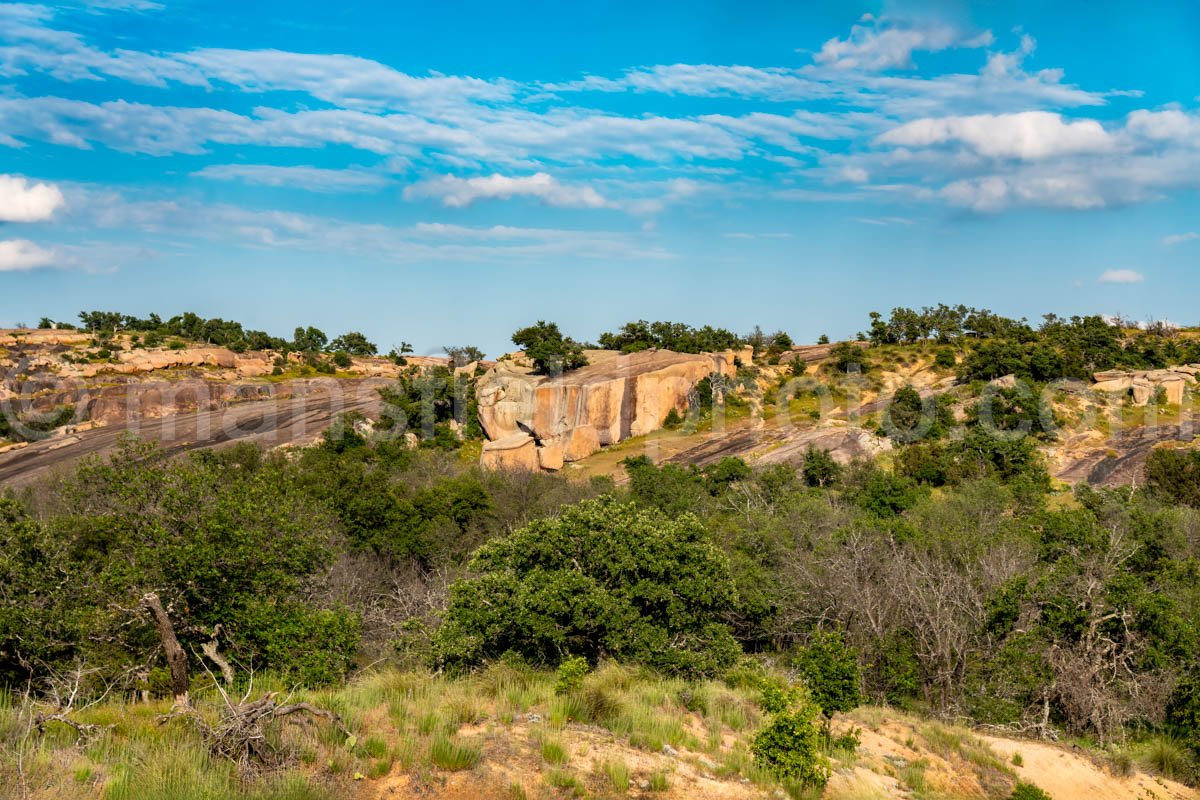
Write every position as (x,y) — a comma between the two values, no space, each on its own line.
(677,336)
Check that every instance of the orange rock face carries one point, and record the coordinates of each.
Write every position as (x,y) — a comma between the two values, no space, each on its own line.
(613,398)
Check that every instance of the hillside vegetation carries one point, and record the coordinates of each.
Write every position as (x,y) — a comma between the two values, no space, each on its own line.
(374,615)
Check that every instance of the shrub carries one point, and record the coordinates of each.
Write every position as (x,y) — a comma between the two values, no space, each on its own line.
(830,669)
(603,579)
(790,744)
(1027,791)
(570,674)
(1167,757)
(342,360)
(945,358)
(1183,711)
(1174,475)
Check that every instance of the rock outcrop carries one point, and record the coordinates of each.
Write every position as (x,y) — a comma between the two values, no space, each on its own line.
(569,417)
(1143,385)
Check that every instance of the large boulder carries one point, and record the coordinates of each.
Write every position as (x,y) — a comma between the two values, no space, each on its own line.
(615,397)
(518,451)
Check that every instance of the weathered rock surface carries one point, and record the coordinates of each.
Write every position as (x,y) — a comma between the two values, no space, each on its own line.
(517,451)
(1143,385)
(615,397)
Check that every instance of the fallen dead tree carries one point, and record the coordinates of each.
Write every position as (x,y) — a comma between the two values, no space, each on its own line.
(239,733)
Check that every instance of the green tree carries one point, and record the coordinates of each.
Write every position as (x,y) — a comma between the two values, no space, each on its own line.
(1174,475)
(830,670)
(309,340)
(354,343)
(845,357)
(820,468)
(548,349)
(461,355)
(602,580)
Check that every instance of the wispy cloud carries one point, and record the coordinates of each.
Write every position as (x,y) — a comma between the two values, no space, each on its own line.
(881,43)
(1180,238)
(455,192)
(313,179)
(1121,276)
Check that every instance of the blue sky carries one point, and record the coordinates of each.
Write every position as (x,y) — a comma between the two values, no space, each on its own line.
(444,173)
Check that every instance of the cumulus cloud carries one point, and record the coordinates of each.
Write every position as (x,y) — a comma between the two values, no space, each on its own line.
(1121,276)
(313,179)
(1180,238)
(22,201)
(1027,135)
(21,255)
(456,192)
(881,43)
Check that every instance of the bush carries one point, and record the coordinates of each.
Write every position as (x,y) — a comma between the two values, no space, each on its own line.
(1174,475)
(342,360)
(1027,791)
(830,669)
(569,676)
(945,358)
(604,579)
(790,745)
(1183,711)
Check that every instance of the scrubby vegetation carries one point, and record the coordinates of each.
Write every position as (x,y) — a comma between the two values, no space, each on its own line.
(677,336)
(950,579)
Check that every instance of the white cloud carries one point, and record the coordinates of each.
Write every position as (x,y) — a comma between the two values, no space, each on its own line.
(345,80)
(20,255)
(457,192)
(313,179)
(1027,135)
(1121,276)
(1180,238)
(884,43)
(22,201)
(172,224)
(705,80)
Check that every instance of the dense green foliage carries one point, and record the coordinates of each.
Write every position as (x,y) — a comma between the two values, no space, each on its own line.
(789,745)
(1059,348)
(1027,791)
(354,343)
(1175,475)
(222,543)
(603,580)
(550,351)
(677,336)
(153,331)
(434,403)
(830,669)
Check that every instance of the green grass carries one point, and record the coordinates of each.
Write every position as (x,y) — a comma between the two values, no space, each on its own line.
(553,752)
(659,782)
(561,779)
(617,775)
(1164,756)
(453,754)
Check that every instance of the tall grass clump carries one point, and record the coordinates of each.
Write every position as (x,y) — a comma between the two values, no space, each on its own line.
(453,754)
